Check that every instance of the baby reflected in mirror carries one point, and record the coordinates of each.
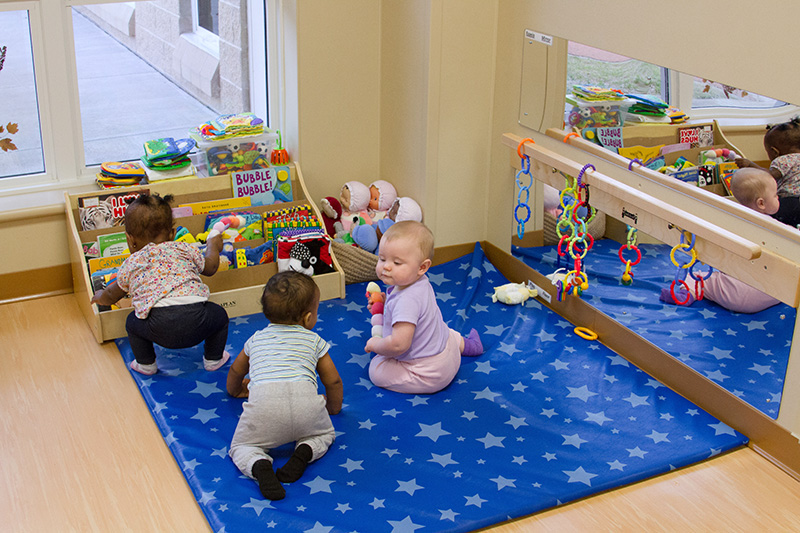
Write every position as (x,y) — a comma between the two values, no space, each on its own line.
(755,188)
(782,144)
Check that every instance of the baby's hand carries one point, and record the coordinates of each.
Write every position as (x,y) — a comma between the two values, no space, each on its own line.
(370,347)
(245,392)
(215,243)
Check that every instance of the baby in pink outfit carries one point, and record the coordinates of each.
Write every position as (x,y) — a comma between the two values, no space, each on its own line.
(418,352)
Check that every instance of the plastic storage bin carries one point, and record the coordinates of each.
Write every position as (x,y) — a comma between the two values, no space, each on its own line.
(582,113)
(238,153)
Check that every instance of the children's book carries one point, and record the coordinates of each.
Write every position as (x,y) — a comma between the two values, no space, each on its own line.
(202,208)
(264,186)
(726,171)
(697,136)
(99,263)
(105,210)
(289,219)
(642,153)
(90,250)
(100,281)
(112,244)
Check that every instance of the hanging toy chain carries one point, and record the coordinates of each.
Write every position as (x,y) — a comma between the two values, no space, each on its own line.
(627,275)
(699,279)
(573,236)
(524,189)
(684,264)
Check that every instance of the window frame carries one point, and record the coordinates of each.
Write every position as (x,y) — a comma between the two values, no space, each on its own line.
(682,92)
(203,37)
(56,82)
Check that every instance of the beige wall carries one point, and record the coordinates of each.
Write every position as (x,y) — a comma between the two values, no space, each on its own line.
(419,92)
(400,91)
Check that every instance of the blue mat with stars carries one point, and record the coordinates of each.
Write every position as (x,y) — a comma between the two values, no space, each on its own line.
(542,418)
(747,354)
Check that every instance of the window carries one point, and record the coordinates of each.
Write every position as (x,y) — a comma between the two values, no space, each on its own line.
(206,13)
(106,77)
(20,131)
(591,66)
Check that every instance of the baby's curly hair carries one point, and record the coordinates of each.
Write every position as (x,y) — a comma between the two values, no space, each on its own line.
(784,136)
(149,217)
(287,296)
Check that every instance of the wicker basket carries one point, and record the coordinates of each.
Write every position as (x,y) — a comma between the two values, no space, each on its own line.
(358,264)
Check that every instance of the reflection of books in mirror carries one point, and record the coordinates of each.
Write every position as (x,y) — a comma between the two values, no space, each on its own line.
(648,100)
(697,136)
(726,171)
(647,119)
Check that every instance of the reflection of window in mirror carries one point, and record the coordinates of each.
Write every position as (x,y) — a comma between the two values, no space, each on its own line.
(591,66)
(709,93)
(700,98)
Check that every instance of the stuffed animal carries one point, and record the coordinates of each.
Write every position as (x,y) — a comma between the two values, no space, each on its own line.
(331,215)
(351,220)
(354,197)
(365,236)
(382,195)
(513,293)
(375,301)
(405,208)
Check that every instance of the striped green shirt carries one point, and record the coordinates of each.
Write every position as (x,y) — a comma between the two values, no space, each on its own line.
(283,352)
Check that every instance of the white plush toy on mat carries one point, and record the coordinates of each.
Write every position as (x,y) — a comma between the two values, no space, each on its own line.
(513,293)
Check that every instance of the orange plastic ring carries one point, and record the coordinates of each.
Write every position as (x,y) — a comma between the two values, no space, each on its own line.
(585,333)
(520,145)
(568,135)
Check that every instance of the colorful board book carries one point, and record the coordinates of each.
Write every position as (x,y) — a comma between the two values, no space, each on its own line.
(697,136)
(291,218)
(101,263)
(265,186)
(112,244)
(105,210)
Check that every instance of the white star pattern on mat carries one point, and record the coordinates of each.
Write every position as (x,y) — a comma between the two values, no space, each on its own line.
(520,427)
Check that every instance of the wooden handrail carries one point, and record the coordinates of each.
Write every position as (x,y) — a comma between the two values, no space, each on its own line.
(709,198)
(701,228)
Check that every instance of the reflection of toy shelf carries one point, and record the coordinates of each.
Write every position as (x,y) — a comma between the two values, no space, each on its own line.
(702,194)
(238,290)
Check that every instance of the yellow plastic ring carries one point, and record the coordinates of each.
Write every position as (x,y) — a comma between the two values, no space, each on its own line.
(585,333)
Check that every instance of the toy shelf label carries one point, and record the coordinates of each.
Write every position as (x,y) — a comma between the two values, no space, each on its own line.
(264,186)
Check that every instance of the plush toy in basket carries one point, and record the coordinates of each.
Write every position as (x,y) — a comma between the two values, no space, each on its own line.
(357,220)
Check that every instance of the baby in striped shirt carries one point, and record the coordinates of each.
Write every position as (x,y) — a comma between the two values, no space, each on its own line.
(283,406)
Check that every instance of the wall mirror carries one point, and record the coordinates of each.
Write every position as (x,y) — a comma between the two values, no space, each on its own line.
(729,348)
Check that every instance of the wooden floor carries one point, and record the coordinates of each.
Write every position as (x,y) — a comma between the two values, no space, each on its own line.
(80,452)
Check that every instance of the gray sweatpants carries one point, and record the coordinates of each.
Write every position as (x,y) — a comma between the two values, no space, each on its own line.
(278,413)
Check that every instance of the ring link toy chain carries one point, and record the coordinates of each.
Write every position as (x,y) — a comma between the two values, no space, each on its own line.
(627,275)
(699,279)
(684,266)
(524,189)
(573,235)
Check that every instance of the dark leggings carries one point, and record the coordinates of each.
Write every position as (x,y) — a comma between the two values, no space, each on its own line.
(179,326)
(789,211)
